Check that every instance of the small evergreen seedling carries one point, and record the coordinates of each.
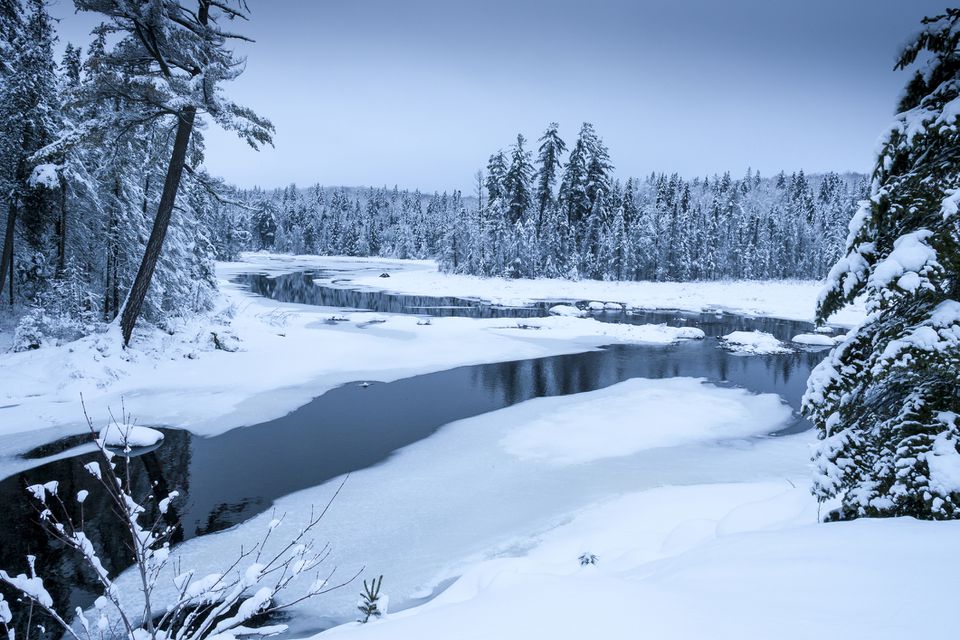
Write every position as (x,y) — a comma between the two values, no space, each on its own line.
(369,600)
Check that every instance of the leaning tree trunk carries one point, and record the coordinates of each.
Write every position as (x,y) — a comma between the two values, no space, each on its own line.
(138,292)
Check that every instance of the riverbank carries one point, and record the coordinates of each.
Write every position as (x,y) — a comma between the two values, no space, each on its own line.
(787,299)
(253,359)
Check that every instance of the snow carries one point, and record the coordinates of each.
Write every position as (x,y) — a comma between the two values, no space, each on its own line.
(31,585)
(568,310)
(939,333)
(128,435)
(814,340)
(788,299)
(754,342)
(287,356)
(702,525)
(640,414)
(724,562)
(425,514)
(950,204)
(560,327)
(44,175)
(910,256)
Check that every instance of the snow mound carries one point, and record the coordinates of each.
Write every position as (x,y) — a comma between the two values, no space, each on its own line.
(567,310)
(753,342)
(613,306)
(595,306)
(642,414)
(663,555)
(814,340)
(570,328)
(129,436)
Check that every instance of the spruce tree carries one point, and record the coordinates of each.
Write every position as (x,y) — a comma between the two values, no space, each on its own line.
(169,62)
(552,147)
(516,182)
(885,402)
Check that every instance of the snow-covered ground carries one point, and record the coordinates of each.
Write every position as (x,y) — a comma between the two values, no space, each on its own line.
(720,561)
(788,299)
(286,354)
(700,525)
(699,534)
(481,487)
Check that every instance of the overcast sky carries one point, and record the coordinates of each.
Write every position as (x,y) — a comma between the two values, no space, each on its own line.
(420,92)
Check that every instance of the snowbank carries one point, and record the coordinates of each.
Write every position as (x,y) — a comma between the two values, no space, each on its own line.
(814,340)
(127,435)
(571,328)
(568,310)
(753,342)
(280,357)
(792,300)
(641,414)
(425,514)
(724,562)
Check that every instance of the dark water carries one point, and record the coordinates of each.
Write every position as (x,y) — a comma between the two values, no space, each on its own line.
(354,427)
(300,288)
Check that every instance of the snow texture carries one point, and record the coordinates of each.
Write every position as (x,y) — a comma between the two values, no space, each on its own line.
(287,355)
(639,414)
(421,516)
(754,342)
(128,435)
(705,561)
(814,340)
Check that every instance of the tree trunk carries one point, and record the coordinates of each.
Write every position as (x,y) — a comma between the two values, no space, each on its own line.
(6,262)
(62,228)
(138,292)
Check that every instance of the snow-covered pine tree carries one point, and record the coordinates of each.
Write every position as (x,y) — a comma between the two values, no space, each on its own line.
(516,182)
(29,117)
(886,400)
(174,58)
(551,150)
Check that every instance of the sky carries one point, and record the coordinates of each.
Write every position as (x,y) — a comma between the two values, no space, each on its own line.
(419,93)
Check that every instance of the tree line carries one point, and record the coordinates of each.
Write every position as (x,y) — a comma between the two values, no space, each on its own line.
(565,215)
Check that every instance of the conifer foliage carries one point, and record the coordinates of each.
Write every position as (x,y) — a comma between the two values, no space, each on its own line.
(886,400)
(98,153)
(565,215)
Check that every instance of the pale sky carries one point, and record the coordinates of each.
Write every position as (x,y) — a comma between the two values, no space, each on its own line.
(419,93)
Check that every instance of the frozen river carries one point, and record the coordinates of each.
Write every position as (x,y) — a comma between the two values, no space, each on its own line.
(358,426)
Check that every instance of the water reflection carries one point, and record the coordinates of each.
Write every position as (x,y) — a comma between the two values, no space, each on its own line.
(70,582)
(300,287)
(232,477)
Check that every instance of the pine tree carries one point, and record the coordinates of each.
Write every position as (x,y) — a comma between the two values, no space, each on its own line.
(174,58)
(552,148)
(885,402)
(573,185)
(516,182)
(29,117)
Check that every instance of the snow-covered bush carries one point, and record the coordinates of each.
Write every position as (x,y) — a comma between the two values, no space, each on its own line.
(62,311)
(223,605)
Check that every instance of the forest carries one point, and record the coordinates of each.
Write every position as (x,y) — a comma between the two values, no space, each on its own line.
(84,169)
(661,227)
(83,178)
